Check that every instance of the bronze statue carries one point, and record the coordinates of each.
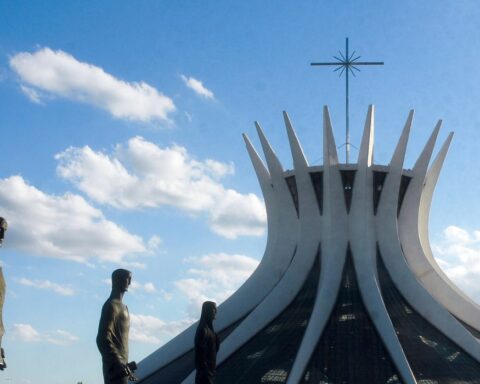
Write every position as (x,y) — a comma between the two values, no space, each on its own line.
(3,286)
(112,337)
(207,344)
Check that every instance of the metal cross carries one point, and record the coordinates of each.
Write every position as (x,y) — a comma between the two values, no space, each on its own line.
(345,64)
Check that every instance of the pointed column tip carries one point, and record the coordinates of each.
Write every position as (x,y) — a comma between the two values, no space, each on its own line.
(371,111)
(436,130)
(411,113)
(421,164)
(259,130)
(273,163)
(247,141)
(398,157)
(449,138)
(299,159)
(330,156)
(326,113)
(288,123)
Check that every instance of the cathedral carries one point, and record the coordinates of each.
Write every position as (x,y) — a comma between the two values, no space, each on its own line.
(348,290)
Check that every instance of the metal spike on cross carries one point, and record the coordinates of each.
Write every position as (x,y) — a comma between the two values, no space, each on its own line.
(347,63)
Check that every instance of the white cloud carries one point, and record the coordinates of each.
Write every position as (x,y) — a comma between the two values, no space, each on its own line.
(142,174)
(60,74)
(32,94)
(455,234)
(154,242)
(197,86)
(61,337)
(214,277)
(152,330)
(139,287)
(63,227)
(48,285)
(28,334)
(238,215)
(149,287)
(458,253)
(24,332)
(167,296)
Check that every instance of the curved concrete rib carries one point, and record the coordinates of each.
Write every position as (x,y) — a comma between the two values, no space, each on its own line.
(387,206)
(421,165)
(333,253)
(363,246)
(287,288)
(277,257)
(334,206)
(306,192)
(393,256)
(365,155)
(398,157)
(261,171)
(330,155)
(299,159)
(266,186)
(422,262)
(427,194)
(289,225)
(408,219)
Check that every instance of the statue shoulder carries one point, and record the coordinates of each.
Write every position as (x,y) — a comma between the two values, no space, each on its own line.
(110,306)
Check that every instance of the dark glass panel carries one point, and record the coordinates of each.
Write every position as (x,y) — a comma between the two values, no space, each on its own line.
(378,181)
(348,178)
(350,351)
(317,181)
(404,183)
(433,357)
(292,186)
(269,355)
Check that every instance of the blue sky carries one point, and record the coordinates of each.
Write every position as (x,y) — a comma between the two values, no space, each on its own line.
(121,145)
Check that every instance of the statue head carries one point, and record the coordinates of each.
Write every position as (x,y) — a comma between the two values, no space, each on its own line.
(121,280)
(3,228)
(209,311)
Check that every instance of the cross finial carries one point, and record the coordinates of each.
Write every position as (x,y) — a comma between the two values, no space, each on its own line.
(347,63)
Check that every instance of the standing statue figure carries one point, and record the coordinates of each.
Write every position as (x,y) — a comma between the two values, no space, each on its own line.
(3,286)
(112,337)
(206,345)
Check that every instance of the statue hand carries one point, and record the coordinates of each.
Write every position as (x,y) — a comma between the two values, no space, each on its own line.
(3,364)
(118,370)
